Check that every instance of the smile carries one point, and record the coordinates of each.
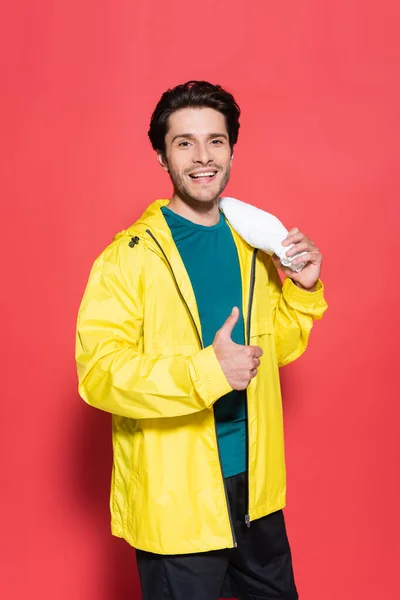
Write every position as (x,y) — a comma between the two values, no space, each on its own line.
(204,177)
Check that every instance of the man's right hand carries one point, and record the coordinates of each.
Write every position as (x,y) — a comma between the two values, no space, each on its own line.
(239,363)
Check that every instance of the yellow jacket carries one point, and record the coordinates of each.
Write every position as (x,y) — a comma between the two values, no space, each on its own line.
(140,357)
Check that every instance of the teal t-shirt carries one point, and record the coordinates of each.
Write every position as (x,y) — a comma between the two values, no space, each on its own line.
(211,260)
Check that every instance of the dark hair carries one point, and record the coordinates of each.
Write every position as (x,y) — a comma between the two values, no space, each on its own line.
(196,94)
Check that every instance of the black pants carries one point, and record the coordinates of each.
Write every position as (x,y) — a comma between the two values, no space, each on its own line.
(260,568)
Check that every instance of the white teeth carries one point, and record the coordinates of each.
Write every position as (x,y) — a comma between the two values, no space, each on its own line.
(211,174)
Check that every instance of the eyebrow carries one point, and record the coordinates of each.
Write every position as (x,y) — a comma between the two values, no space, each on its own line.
(191,136)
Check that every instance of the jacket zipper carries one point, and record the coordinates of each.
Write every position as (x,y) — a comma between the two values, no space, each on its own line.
(248,323)
(202,347)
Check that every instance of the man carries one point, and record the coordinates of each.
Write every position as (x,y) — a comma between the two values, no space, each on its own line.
(181,332)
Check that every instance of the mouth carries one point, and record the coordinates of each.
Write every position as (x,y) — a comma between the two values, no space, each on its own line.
(203,176)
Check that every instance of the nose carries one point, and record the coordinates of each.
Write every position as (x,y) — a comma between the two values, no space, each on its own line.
(202,154)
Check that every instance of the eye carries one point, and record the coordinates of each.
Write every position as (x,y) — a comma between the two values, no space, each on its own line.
(183,144)
(217,142)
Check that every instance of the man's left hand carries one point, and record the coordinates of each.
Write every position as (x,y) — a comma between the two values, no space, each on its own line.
(307,278)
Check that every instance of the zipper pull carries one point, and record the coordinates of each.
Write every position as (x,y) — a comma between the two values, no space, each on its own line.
(247,520)
(134,241)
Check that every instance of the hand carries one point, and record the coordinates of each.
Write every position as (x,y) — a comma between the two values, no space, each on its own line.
(239,363)
(309,275)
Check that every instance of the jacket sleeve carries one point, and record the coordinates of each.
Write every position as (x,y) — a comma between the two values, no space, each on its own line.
(293,313)
(113,372)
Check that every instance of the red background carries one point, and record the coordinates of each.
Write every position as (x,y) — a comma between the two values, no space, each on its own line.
(319,146)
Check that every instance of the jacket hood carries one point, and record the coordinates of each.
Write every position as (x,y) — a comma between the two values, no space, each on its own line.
(152,226)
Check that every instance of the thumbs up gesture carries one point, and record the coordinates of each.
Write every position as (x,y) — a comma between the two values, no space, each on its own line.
(239,363)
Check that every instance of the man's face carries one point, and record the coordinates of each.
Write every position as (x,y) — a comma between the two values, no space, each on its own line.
(197,154)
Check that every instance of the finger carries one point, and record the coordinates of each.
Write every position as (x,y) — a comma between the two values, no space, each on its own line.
(226,330)
(293,238)
(304,246)
(253,373)
(310,257)
(256,363)
(256,351)
(294,234)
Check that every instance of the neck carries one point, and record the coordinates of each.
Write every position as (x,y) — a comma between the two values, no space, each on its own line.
(201,213)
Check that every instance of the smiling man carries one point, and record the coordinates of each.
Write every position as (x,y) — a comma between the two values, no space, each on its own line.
(181,332)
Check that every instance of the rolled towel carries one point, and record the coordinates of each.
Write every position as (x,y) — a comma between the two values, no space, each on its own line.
(260,229)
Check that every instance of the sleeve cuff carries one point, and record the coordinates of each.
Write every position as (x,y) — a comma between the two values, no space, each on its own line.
(209,378)
(312,303)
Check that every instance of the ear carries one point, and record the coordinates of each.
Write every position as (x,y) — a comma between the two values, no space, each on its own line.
(162,159)
(232,156)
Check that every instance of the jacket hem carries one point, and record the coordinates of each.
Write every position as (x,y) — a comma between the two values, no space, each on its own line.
(265,510)
(181,547)
(192,546)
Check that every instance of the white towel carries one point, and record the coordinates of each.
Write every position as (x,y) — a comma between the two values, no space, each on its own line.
(259,229)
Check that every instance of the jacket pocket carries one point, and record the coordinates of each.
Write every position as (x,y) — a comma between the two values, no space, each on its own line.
(135,467)
(258,328)
(176,350)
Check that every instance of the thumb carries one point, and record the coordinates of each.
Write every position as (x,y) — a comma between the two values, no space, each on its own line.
(226,330)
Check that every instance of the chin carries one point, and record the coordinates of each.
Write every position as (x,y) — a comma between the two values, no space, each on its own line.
(208,199)
(199,198)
